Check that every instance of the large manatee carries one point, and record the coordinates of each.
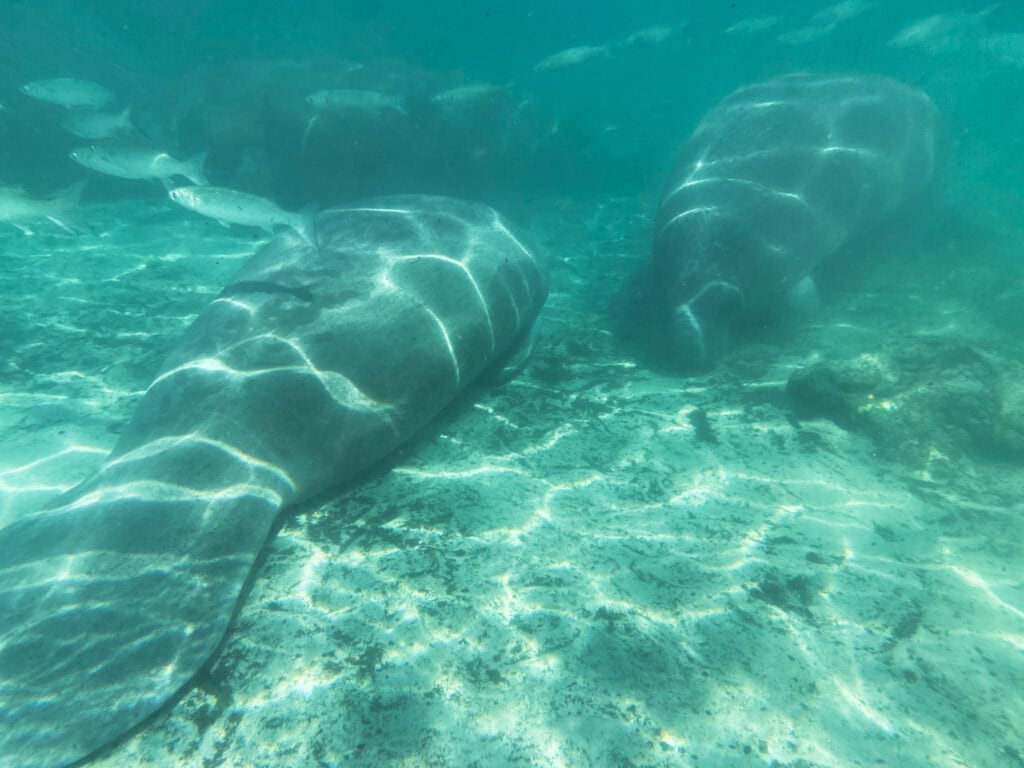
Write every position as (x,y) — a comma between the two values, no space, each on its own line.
(314,362)
(776,178)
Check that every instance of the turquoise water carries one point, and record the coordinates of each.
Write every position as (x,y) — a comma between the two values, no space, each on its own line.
(806,555)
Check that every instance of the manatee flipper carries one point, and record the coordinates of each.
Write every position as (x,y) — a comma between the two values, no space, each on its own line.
(701,325)
(802,299)
(516,359)
(115,595)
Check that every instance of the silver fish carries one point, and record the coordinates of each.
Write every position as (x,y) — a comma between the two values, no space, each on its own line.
(825,21)
(351,98)
(944,32)
(129,161)
(650,36)
(754,25)
(468,94)
(69,92)
(19,210)
(229,206)
(805,35)
(571,57)
(841,11)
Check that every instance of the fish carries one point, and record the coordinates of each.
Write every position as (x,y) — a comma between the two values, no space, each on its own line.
(18,209)
(571,57)
(90,124)
(468,94)
(754,25)
(944,32)
(841,11)
(130,161)
(356,99)
(826,20)
(649,36)
(230,206)
(805,35)
(69,92)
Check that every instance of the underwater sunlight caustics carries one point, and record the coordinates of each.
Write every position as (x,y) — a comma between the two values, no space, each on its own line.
(314,362)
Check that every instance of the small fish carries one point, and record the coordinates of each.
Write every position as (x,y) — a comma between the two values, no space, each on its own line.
(806,35)
(944,32)
(69,92)
(649,36)
(18,209)
(571,57)
(841,11)
(755,25)
(350,98)
(87,124)
(468,94)
(229,206)
(129,161)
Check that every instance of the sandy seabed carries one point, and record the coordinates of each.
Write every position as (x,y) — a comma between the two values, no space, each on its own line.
(593,565)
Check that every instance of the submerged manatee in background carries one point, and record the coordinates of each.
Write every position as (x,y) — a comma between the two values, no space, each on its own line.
(315,362)
(777,177)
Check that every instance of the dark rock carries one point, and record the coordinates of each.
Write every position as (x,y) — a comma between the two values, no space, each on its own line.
(918,398)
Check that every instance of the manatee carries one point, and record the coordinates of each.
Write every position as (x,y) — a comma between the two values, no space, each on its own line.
(319,359)
(775,179)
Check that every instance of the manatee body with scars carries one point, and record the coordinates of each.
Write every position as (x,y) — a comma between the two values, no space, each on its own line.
(318,359)
(775,179)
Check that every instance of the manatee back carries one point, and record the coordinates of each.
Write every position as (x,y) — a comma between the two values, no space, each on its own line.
(316,360)
(368,334)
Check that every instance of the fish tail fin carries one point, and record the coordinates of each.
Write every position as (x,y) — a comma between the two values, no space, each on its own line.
(63,213)
(304,224)
(195,169)
(69,224)
(126,124)
(309,130)
(71,195)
